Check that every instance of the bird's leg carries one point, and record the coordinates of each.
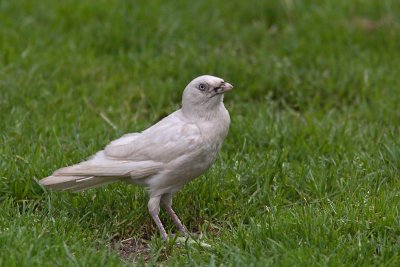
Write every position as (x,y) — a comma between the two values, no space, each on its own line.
(154,210)
(166,202)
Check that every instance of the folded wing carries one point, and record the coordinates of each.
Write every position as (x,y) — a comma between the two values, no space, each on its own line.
(167,140)
(133,156)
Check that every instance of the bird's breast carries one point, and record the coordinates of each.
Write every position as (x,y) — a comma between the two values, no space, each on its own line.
(198,159)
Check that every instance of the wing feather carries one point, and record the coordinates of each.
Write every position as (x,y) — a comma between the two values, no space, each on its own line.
(165,141)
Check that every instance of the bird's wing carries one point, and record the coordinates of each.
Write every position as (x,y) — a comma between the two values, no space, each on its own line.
(98,171)
(139,155)
(163,142)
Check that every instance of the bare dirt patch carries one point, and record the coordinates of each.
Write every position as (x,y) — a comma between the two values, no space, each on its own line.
(129,249)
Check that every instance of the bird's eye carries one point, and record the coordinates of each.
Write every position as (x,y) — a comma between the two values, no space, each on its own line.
(202,87)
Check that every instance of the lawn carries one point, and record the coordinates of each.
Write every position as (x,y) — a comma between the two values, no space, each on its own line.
(309,172)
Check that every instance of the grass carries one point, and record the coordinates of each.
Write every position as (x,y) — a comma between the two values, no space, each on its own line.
(309,173)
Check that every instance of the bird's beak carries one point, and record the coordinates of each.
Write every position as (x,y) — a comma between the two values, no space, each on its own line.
(226,87)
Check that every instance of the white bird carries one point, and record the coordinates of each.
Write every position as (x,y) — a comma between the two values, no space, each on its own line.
(164,157)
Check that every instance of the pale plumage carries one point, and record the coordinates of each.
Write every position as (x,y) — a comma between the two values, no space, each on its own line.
(165,156)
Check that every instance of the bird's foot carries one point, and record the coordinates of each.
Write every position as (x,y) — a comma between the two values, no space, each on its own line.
(186,239)
(192,239)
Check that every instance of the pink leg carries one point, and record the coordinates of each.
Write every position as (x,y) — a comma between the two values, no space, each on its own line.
(154,210)
(166,202)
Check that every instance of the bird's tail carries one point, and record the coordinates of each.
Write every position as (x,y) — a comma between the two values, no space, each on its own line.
(98,171)
(75,183)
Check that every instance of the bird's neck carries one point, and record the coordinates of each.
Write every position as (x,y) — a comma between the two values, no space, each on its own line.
(206,111)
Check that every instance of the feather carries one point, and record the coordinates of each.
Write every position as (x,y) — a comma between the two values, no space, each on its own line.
(75,183)
(99,171)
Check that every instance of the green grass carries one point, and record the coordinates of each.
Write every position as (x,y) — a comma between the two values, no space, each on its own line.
(308,175)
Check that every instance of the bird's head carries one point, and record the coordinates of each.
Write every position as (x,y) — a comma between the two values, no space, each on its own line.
(204,94)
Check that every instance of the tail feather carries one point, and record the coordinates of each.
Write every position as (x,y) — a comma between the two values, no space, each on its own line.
(75,183)
(98,171)
(101,166)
